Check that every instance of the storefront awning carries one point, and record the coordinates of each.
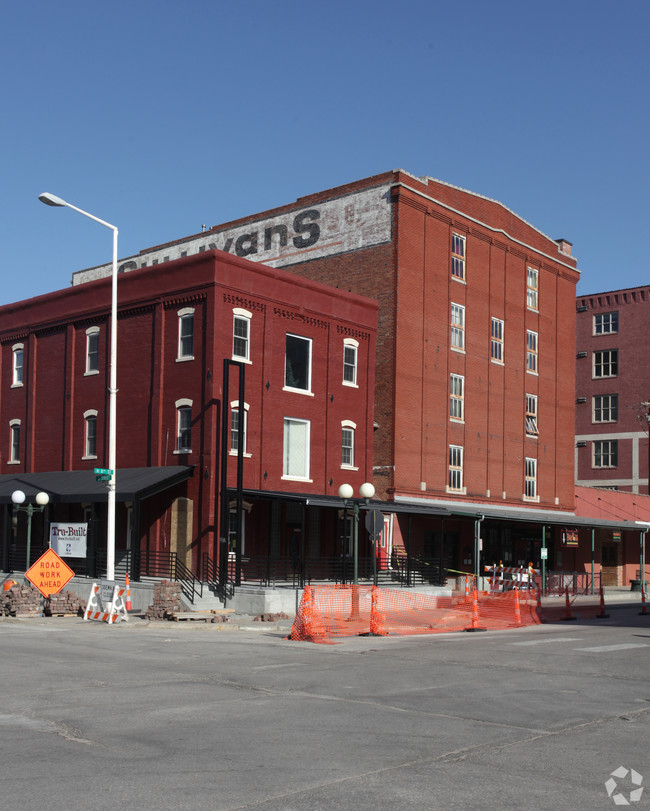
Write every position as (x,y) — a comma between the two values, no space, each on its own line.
(73,486)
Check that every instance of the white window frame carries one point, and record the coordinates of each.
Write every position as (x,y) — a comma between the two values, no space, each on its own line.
(604,404)
(530,479)
(18,365)
(455,469)
(457,326)
(14,442)
(532,351)
(606,323)
(289,469)
(458,256)
(456,398)
(185,316)
(183,407)
(607,451)
(307,389)
(497,341)
(531,416)
(89,416)
(604,360)
(92,354)
(348,437)
(350,360)
(241,342)
(234,409)
(532,289)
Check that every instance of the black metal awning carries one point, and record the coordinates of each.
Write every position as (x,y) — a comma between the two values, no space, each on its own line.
(73,486)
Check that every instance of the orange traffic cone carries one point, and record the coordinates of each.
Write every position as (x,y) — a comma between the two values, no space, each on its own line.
(517,607)
(475,615)
(642,611)
(567,611)
(128,593)
(602,614)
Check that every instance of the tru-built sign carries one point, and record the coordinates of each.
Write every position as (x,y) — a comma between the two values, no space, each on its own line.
(336,226)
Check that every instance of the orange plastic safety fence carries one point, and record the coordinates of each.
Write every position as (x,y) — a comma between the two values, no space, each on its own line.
(336,611)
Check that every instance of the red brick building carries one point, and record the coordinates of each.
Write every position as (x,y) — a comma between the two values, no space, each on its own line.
(474,385)
(612,390)
(190,334)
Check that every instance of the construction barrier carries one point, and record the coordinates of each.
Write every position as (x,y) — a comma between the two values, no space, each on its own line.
(327,612)
(109,610)
(507,577)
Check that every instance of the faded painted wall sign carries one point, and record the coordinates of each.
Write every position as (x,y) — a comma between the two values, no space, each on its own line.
(344,224)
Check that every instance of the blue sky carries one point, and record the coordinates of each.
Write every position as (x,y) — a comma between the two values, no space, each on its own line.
(162,116)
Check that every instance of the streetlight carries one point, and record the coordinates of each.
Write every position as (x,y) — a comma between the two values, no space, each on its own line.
(346,492)
(52,200)
(18,498)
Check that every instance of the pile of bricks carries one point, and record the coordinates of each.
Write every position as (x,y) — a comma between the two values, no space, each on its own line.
(166,601)
(271,617)
(21,601)
(66,602)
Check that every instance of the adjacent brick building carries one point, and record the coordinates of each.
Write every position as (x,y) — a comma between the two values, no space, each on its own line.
(612,389)
(187,336)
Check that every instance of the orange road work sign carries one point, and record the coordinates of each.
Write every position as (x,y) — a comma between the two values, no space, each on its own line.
(49,574)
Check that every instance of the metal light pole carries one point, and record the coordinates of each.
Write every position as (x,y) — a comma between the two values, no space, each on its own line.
(52,200)
(346,492)
(18,499)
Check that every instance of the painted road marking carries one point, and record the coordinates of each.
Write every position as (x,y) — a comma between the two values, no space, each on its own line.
(607,648)
(549,639)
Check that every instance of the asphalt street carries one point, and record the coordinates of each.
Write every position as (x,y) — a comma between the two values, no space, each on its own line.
(188,716)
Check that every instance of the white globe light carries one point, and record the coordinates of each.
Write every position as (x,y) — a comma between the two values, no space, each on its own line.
(346,492)
(18,497)
(42,499)
(367,490)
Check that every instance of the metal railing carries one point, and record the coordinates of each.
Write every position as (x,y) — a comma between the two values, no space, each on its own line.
(576,582)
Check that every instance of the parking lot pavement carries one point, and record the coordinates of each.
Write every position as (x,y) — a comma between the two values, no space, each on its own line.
(185,715)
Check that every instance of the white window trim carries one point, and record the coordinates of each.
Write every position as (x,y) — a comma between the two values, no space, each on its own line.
(13,424)
(535,416)
(603,332)
(535,371)
(308,391)
(463,238)
(594,421)
(14,383)
(91,412)
(307,451)
(91,331)
(496,342)
(534,498)
(461,400)
(535,290)
(453,326)
(353,427)
(462,490)
(184,402)
(239,312)
(595,352)
(351,342)
(234,406)
(181,314)
(595,442)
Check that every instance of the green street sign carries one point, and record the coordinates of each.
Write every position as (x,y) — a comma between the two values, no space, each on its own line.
(102,471)
(102,478)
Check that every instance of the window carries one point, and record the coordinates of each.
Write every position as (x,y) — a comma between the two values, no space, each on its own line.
(350,347)
(295,463)
(14,441)
(531,351)
(186,334)
(232,530)
(455,467)
(92,350)
(241,329)
(606,453)
(531,415)
(90,419)
(17,378)
(496,346)
(530,484)
(606,363)
(605,323)
(605,407)
(457,326)
(297,363)
(532,287)
(183,426)
(347,443)
(234,427)
(458,257)
(457,397)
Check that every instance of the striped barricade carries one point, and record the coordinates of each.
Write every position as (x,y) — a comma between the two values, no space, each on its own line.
(108,610)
